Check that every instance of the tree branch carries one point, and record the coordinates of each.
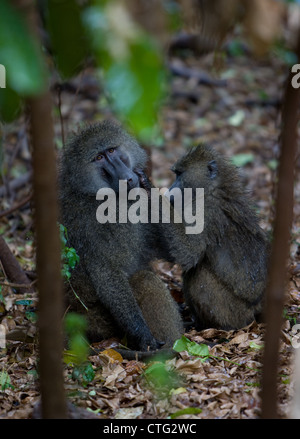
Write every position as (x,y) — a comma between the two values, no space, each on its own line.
(12,268)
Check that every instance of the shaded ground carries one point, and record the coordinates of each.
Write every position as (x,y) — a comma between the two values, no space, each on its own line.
(240,118)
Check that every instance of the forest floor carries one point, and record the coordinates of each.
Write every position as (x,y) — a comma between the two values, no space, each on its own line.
(239,115)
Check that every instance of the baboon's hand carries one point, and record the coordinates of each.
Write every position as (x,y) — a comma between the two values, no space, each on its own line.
(156,345)
(143,180)
(149,343)
(159,344)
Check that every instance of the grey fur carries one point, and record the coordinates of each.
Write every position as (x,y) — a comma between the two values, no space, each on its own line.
(114,258)
(225,266)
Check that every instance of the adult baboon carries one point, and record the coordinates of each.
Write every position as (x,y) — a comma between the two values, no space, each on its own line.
(113,279)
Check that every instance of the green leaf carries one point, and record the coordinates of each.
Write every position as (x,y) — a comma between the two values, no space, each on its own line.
(88,373)
(5,382)
(31,316)
(243,159)
(235,48)
(181,344)
(198,349)
(65,272)
(69,255)
(273,164)
(19,53)
(187,411)
(75,323)
(23,302)
(84,373)
(184,344)
(161,377)
(34,373)
(80,347)
(75,327)
(2,300)
(72,257)
(256,346)
(63,234)
(67,35)
(10,104)
(131,62)
(251,384)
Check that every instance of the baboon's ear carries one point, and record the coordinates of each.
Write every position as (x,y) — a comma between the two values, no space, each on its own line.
(212,169)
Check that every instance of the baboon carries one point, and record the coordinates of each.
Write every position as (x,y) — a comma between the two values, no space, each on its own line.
(113,283)
(225,266)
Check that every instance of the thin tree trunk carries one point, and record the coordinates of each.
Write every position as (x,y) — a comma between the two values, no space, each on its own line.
(280,249)
(48,259)
(48,246)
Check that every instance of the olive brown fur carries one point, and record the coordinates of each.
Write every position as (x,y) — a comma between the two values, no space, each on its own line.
(225,266)
(113,279)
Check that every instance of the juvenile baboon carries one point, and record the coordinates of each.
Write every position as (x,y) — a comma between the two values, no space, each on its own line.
(225,266)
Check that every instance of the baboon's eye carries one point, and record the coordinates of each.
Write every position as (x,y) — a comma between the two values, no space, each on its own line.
(99,157)
(111,150)
(212,169)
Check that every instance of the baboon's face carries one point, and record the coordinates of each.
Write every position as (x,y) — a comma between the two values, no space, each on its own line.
(113,165)
(101,156)
(195,171)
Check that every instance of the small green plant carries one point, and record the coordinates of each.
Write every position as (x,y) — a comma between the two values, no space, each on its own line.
(5,382)
(193,348)
(83,373)
(236,48)
(186,411)
(2,301)
(69,259)
(29,310)
(292,319)
(75,327)
(131,61)
(201,350)
(69,255)
(255,346)
(161,377)
(242,159)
